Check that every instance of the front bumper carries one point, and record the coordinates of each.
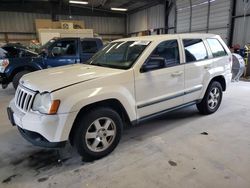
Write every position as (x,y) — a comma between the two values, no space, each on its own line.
(38,140)
(42,130)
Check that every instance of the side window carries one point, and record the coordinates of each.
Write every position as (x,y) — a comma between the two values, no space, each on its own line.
(216,48)
(64,48)
(89,47)
(195,50)
(169,51)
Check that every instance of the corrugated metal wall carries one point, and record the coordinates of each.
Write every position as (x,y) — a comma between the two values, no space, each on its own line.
(101,25)
(150,18)
(197,16)
(24,24)
(183,16)
(241,33)
(19,22)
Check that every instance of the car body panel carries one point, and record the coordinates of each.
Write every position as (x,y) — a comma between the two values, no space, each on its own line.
(141,94)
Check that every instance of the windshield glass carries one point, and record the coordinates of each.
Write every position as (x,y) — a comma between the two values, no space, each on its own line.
(46,46)
(121,55)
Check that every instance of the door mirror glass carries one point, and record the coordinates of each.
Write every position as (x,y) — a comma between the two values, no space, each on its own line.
(153,63)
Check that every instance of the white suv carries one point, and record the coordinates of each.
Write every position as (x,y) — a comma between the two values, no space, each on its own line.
(128,81)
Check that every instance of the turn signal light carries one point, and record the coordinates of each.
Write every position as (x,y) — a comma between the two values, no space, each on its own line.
(54,106)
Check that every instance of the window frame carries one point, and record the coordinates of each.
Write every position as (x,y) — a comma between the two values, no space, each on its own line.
(205,46)
(226,54)
(65,55)
(169,66)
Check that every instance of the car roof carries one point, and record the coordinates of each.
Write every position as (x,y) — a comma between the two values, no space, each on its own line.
(168,36)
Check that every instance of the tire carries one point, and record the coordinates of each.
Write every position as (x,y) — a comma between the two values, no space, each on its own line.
(94,140)
(17,77)
(212,99)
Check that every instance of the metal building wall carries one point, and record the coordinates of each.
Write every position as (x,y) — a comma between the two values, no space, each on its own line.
(20,26)
(101,25)
(19,21)
(150,18)
(16,26)
(241,32)
(211,16)
(183,16)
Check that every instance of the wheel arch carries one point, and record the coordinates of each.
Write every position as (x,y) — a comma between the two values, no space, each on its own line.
(221,80)
(113,103)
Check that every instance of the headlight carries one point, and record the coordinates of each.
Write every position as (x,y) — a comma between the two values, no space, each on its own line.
(3,64)
(44,104)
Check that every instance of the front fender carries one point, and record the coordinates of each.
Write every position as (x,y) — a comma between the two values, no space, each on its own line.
(75,101)
(72,102)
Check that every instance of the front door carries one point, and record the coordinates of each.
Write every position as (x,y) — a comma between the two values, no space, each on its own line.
(63,52)
(161,89)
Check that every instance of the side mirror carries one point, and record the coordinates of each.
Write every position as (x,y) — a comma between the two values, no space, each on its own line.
(153,63)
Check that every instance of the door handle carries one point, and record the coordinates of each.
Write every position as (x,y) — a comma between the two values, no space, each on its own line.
(178,73)
(207,66)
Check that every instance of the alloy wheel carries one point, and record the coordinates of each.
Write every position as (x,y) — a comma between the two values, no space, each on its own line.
(213,98)
(100,134)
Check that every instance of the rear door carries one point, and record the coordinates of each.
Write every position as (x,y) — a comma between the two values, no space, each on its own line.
(198,64)
(63,52)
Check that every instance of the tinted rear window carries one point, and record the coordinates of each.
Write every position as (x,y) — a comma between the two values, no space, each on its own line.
(216,48)
(195,50)
(89,47)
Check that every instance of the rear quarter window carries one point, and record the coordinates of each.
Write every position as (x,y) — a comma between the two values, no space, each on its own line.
(216,48)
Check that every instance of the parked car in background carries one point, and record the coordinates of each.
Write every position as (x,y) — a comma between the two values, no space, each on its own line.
(129,81)
(19,61)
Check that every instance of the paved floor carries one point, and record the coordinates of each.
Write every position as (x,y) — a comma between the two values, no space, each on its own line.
(167,152)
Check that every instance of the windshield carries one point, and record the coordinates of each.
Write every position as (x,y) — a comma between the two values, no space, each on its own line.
(120,55)
(46,46)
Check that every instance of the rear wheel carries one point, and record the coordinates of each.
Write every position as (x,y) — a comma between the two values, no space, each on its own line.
(17,77)
(98,133)
(212,99)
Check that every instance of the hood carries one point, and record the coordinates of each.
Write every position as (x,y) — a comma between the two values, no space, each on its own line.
(57,78)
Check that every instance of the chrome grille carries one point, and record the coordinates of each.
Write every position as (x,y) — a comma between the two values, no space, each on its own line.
(24,98)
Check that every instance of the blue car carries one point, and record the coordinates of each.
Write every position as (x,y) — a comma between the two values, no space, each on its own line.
(16,60)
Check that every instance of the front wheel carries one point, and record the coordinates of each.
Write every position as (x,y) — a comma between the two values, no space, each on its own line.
(212,99)
(98,133)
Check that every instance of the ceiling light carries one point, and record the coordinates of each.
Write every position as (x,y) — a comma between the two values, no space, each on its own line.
(119,9)
(79,2)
